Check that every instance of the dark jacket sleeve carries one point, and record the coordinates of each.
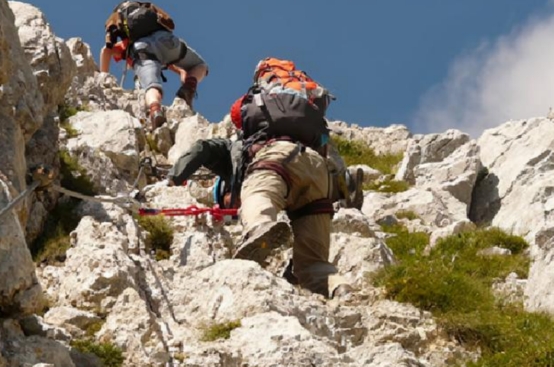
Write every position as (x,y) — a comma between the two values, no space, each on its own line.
(214,154)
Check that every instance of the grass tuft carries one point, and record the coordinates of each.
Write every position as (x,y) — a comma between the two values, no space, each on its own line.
(65,111)
(219,331)
(356,152)
(152,143)
(50,247)
(109,354)
(71,131)
(74,177)
(405,244)
(161,234)
(389,186)
(406,214)
(455,283)
(94,328)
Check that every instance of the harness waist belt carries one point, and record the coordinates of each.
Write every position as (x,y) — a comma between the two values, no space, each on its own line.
(320,206)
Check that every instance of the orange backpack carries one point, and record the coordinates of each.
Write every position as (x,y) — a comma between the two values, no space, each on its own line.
(283,102)
(274,75)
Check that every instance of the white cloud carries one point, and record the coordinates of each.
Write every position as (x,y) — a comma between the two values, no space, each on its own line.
(510,78)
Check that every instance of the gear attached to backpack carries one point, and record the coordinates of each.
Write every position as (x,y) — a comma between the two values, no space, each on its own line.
(284,101)
(134,19)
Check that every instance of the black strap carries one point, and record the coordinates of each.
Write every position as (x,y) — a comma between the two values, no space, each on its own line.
(182,53)
(316,207)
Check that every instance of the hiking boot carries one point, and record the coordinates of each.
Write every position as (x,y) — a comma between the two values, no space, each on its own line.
(157,119)
(259,244)
(157,116)
(358,200)
(187,91)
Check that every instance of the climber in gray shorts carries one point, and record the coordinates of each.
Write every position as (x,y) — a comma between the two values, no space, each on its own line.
(149,45)
(166,48)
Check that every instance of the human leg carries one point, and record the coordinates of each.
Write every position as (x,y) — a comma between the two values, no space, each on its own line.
(151,53)
(262,197)
(149,73)
(310,257)
(196,69)
(312,229)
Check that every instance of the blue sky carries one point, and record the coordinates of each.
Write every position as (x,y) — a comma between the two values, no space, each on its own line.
(387,61)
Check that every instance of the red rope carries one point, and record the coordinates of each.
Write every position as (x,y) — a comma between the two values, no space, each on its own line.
(216,212)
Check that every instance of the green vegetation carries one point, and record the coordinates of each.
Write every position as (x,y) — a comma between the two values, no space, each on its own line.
(152,144)
(51,245)
(391,186)
(356,152)
(74,177)
(161,234)
(405,244)
(454,283)
(71,132)
(406,214)
(180,357)
(65,111)
(219,331)
(109,354)
(508,336)
(94,327)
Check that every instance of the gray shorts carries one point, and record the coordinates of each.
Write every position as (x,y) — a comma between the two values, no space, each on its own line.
(166,48)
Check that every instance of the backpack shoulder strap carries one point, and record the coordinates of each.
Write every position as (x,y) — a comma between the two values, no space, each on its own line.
(113,28)
(164,18)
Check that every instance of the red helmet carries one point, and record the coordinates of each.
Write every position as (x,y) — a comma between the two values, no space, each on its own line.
(236,114)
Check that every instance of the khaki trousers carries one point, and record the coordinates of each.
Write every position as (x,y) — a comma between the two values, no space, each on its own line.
(264,195)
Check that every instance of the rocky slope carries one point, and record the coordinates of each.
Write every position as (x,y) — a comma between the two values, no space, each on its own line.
(110,287)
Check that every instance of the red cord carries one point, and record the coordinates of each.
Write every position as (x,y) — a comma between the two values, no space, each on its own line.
(216,211)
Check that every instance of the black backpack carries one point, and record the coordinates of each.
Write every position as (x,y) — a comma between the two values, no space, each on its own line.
(140,19)
(285,101)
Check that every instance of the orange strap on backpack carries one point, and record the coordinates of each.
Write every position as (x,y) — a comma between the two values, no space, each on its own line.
(283,72)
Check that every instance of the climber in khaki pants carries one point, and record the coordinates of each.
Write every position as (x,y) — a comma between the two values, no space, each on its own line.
(289,176)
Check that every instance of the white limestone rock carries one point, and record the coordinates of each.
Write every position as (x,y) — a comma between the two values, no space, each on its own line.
(188,131)
(517,196)
(106,146)
(20,291)
(47,54)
